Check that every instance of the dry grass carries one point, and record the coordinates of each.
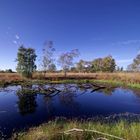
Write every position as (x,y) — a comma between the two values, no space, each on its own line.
(132,78)
(9,77)
(123,77)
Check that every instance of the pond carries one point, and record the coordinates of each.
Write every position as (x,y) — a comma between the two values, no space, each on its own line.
(20,109)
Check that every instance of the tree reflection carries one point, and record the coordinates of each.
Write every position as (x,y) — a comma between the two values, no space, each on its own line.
(68,97)
(107,91)
(49,104)
(92,88)
(27,101)
(65,93)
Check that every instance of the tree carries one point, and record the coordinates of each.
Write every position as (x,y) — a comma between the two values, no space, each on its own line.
(26,103)
(97,65)
(135,66)
(132,67)
(66,60)
(88,66)
(48,61)
(119,69)
(83,66)
(73,69)
(80,65)
(9,71)
(106,64)
(26,61)
(52,67)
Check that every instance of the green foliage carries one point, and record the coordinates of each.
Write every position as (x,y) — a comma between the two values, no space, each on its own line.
(9,71)
(97,65)
(26,61)
(83,66)
(119,69)
(106,64)
(6,71)
(80,66)
(73,69)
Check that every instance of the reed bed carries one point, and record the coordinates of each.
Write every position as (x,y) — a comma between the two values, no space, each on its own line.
(123,76)
(131,80)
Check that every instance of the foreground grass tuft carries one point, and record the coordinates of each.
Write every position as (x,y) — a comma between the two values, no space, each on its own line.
(54,130)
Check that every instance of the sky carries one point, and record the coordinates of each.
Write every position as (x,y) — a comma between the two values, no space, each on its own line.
(96,27)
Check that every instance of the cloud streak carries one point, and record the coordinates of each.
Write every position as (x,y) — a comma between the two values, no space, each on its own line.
(17,37)
(127,42)
(15,42)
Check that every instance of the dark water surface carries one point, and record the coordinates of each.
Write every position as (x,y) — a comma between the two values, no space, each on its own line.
(19,110)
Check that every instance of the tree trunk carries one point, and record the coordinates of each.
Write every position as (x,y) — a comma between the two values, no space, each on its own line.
(44,74)
(65,73)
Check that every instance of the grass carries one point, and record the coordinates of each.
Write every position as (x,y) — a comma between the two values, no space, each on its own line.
(118,83)
(131,80)
(122,76)
(53,130)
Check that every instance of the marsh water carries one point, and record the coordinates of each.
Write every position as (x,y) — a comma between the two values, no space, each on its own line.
(20,110)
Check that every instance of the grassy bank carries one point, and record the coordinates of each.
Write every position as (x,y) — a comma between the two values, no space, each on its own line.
(124,76)
(131,80)
(57,130)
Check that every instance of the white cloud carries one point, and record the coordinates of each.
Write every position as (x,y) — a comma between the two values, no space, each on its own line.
(15,42)
(138,52)
(17,37)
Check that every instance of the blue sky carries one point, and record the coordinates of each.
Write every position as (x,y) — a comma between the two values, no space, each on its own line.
(96,27)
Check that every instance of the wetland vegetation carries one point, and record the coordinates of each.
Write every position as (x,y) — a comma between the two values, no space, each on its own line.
(98,104)
(69,70)
(62,107)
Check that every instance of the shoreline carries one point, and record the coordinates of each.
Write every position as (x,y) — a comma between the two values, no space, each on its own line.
(57,129)
(126,80)
(110,83)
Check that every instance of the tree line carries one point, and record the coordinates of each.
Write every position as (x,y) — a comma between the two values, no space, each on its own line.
(135,65)
(106,64)
(26,58)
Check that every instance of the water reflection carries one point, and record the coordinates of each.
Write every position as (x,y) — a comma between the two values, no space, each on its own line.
(26,101)
(66,94)
(67,97)
(107,91)
(49,105)
(40,103)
